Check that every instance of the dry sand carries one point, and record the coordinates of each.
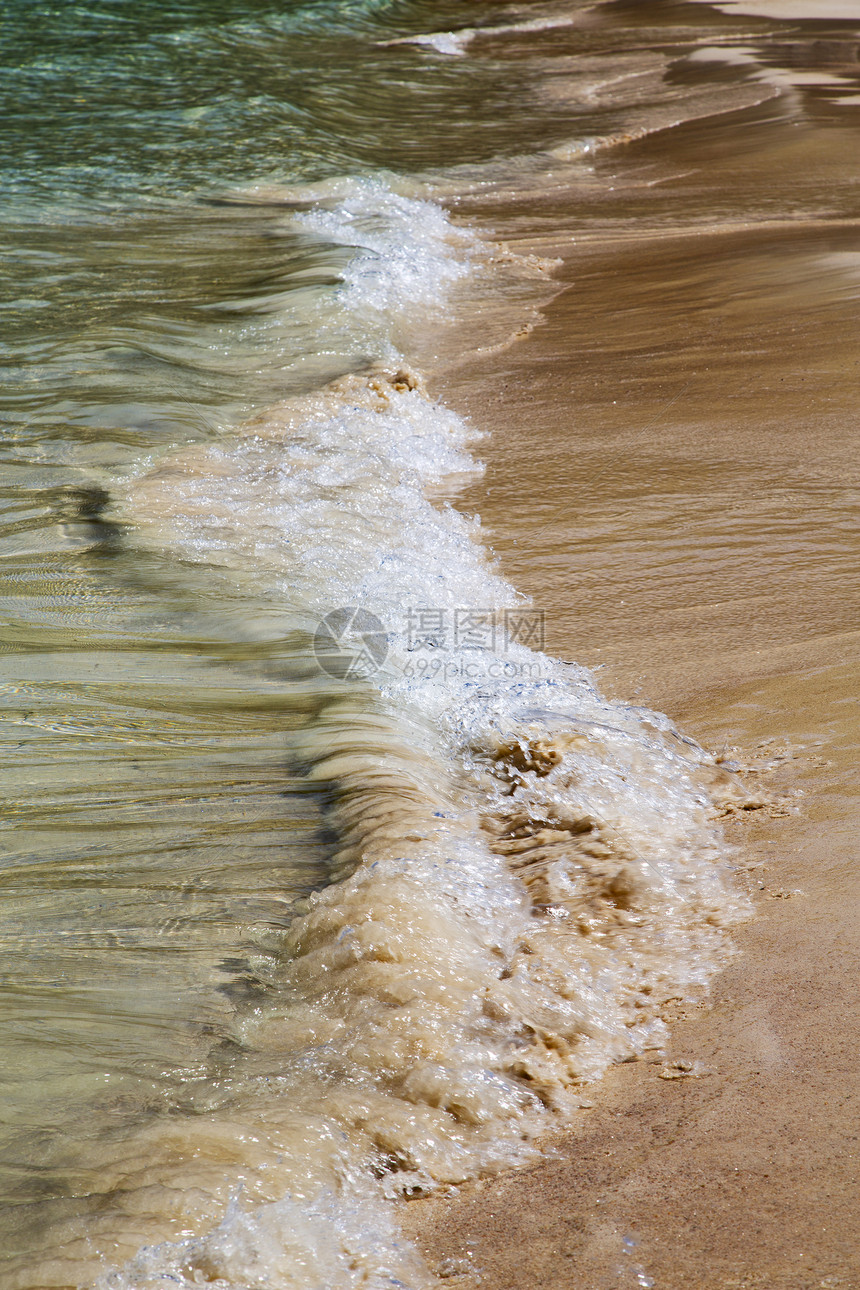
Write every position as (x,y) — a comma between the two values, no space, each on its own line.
(673,475)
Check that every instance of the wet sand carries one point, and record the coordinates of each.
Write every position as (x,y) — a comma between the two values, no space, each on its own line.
(672,475)
(746,1170)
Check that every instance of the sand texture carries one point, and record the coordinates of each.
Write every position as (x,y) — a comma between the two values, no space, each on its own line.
(672,474)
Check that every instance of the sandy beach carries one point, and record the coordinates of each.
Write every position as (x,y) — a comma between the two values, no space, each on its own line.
(671,473)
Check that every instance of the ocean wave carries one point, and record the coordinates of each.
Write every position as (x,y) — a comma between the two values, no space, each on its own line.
(522,873)
(456,43)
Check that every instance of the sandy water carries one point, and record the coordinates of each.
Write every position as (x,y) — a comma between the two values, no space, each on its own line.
(515,874)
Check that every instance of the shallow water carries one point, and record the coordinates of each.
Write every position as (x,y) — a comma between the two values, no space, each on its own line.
(209,1076)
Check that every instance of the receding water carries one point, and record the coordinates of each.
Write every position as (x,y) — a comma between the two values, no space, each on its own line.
(286,934)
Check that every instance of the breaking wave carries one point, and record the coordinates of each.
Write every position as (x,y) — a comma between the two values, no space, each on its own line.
(522,873)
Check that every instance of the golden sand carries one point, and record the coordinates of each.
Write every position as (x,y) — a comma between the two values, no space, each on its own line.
(672,474)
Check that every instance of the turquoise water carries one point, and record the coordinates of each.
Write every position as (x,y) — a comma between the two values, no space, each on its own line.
(113,101)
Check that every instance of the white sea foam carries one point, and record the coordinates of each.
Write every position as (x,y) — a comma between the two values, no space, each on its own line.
(456,43)
(408,253)
(334,1240)
(444,42)
(523,874)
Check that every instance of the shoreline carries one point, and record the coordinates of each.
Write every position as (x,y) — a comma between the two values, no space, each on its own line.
(709,576)
(731,1161)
